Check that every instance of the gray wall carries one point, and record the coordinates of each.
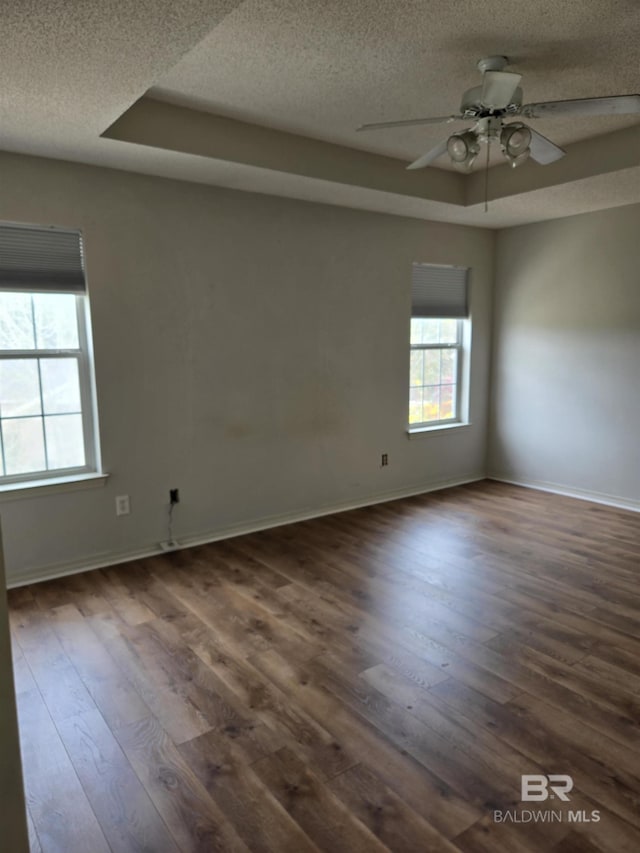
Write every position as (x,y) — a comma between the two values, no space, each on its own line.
(13,825)
(566,360)
(250,350)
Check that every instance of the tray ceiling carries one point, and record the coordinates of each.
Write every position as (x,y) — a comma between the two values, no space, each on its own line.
(265,96)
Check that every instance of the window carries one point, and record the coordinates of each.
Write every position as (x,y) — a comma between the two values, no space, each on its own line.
(46,384)
(436,360)
(438,331)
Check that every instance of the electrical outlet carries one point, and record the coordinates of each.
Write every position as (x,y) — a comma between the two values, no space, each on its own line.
(122,505)
(174,496)
(385,459)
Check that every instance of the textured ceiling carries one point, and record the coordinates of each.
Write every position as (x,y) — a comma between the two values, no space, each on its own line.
(322,69)
(69,70)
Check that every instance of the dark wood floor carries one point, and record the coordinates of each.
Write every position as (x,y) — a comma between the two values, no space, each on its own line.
(374,680)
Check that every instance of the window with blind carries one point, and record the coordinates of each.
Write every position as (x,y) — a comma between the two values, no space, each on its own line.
(439,312)
(47,426)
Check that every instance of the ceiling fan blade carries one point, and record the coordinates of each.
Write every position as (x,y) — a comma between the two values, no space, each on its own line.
(498,88)
(543,150)
(429,157)
(408,122)
(611,106)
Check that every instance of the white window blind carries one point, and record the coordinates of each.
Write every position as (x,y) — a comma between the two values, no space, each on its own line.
(46,260)
(439,291)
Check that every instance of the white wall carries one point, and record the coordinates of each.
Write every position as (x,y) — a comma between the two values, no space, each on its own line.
(251,351)
(566,360)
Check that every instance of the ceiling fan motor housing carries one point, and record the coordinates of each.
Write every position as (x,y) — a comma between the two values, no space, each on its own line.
(472,103)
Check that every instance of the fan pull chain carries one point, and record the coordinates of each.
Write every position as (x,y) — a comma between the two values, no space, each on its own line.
(486,182)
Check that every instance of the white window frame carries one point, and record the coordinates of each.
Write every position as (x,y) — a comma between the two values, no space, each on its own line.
(441,292)
(459,347)
(49,259)
(83,358)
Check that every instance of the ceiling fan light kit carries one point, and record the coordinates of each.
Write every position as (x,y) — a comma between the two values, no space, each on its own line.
(515,141)
(491,105)
(463,148)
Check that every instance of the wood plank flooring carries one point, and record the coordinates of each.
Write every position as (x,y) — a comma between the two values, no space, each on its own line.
(374,680)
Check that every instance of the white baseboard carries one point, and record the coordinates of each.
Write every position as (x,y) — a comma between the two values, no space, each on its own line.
(104,560)
(570,492)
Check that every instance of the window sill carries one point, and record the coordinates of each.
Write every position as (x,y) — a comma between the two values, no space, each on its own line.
(52,485)
(421,432)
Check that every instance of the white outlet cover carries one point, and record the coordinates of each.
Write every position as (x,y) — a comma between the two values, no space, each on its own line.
(122,505)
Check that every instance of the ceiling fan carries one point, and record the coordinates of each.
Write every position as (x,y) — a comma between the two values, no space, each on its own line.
(490,105)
